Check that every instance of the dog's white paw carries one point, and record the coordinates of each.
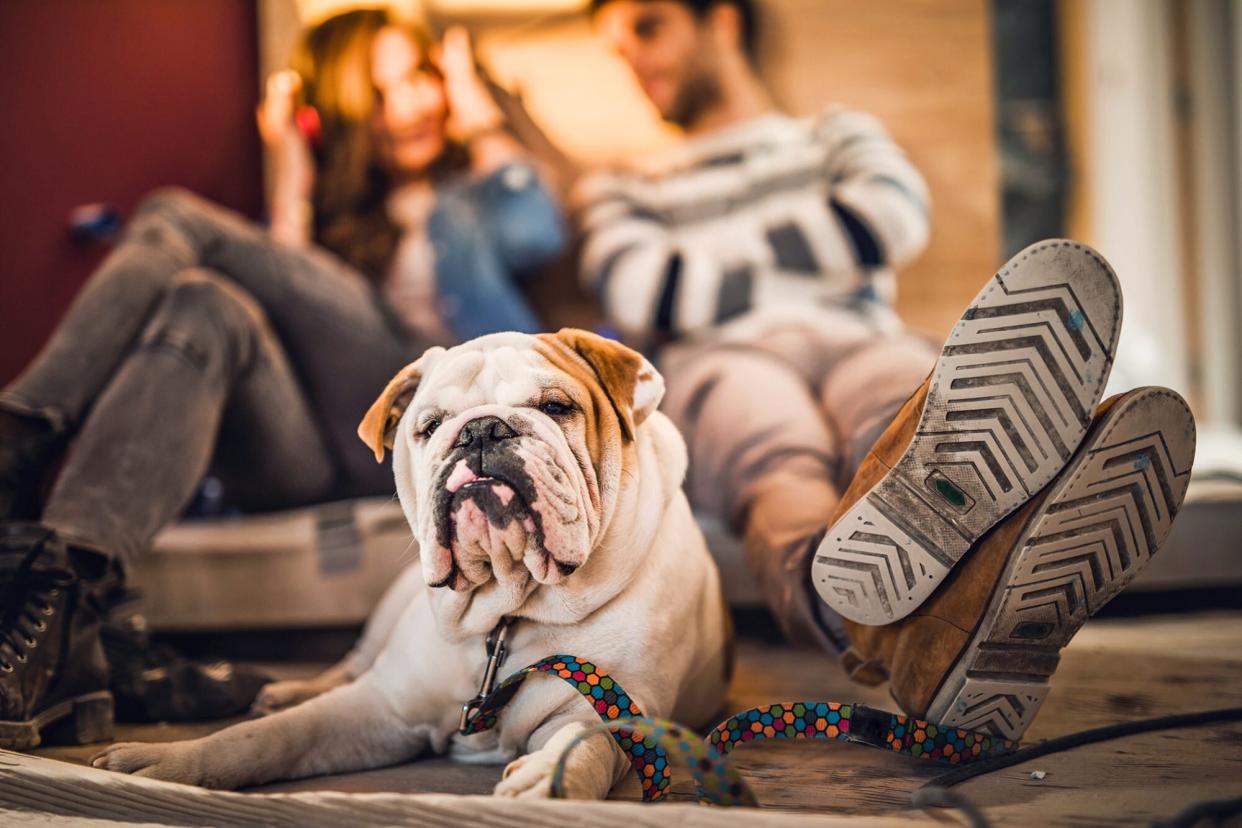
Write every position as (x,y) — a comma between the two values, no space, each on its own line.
(169,761)
(282,694)
(527,777)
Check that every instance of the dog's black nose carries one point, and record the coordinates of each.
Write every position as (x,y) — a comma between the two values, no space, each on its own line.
(482,432)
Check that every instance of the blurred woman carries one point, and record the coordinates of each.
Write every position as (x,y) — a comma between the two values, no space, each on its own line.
(403,214)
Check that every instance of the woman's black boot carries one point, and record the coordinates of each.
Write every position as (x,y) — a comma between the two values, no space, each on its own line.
(53,676)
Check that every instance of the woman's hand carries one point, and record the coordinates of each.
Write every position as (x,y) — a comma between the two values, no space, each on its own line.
(472,112)
(293,178)
(475,119)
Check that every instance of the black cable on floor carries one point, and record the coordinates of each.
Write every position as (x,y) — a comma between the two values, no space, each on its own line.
(1217,810)
(936,793)
(1086,737)
(931,797)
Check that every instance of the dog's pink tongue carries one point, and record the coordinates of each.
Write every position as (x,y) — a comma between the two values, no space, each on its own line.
(460,476)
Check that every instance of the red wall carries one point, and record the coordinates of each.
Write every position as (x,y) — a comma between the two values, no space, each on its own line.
(102,101)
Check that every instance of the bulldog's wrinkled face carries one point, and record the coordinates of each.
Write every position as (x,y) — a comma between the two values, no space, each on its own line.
(507,452)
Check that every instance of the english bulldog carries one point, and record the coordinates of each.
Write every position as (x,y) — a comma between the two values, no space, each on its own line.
(543,486)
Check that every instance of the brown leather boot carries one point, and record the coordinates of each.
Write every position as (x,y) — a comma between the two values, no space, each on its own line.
(1003,411)
(979,652)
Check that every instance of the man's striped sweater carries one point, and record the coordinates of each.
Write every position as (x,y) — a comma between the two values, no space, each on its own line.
(770,213)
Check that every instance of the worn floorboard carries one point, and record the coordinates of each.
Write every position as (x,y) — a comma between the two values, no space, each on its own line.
(1113,671)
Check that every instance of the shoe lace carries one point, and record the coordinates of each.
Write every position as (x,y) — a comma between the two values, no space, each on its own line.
(28,599)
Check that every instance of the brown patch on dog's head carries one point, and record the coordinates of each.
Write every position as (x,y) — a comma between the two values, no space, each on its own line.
(629,384)
(379,424)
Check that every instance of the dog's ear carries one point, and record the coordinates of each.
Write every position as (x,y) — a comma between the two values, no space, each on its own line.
(380,423)
(631,383)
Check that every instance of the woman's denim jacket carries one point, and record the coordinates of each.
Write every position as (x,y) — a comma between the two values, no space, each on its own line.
(488,234)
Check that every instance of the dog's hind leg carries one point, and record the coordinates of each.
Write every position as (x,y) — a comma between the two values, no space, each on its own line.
(383,620)
(405,590)
(279,695)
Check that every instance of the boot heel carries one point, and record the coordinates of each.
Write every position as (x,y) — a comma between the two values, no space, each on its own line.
(93,718)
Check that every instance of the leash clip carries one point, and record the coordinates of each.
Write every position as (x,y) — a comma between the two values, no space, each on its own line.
(497,648)
(869,726)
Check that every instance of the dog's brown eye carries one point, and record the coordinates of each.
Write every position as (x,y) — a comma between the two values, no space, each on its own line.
(430,428)
(555,408)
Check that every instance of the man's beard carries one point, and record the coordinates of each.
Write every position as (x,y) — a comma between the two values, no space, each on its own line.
(698,93)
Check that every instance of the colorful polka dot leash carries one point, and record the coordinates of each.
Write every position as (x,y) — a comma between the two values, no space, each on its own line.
(860,724)
(716,782)
(651,744)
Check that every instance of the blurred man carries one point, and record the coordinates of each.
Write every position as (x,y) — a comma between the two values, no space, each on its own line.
(946,521)
(757,257)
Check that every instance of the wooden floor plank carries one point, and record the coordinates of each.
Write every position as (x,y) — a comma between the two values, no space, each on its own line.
(1114,671)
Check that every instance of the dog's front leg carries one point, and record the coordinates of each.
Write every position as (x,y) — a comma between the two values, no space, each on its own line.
(590,772)
(350,728)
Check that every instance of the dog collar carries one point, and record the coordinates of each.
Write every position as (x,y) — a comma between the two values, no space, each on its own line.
(497,648)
